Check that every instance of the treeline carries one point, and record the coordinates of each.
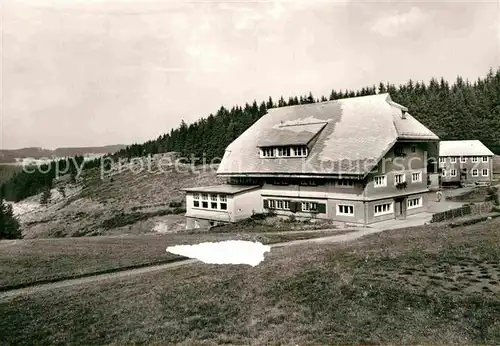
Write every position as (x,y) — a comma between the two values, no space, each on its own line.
(34,179)
(462,110)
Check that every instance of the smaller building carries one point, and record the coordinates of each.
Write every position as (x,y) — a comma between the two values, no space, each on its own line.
(209,205)
(465,163)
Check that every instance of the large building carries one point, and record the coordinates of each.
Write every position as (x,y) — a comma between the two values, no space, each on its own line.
(465,162)
(356,160)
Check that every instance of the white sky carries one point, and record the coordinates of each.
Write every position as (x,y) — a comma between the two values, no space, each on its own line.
(84,73)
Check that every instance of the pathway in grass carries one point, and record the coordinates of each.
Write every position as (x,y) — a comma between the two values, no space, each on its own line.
(28,262)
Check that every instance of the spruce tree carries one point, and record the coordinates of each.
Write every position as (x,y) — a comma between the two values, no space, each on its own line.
(45,197)
(9,225)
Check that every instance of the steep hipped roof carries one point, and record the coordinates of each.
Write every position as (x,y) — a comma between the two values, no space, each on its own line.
(358,133)
(463,148)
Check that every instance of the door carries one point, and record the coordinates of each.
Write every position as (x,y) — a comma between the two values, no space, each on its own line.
(400,207)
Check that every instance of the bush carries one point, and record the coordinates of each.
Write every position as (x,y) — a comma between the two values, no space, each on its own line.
(9,226)
(492,195)
(175,204)
(179,210)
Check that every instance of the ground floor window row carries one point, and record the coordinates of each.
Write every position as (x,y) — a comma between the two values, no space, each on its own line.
(295,206)
(210,205)
(341,209)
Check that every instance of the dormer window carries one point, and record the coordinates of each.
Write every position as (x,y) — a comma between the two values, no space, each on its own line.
(300,151)
(267,152)
(284,151)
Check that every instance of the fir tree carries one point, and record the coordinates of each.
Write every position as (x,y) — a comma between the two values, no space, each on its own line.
(45,197)
(9,225)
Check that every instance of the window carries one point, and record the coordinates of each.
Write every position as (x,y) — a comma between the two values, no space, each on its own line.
(413,149)
(223,198)
(380,181)
(485,172)
(223,206)
(463,159)
(399,178)
(442,160)
(300,151)
(485,158)
(204,204)
(443,173)
(475,159)
(283,151)
(453,159)
(345,183)
(416,177)
(196,196)
(398,151)
(213,198)
(196,204)
(213,205)
(475,172)
(267,152)
(279,204)
(309,206)
(286,205)
(382,209)
(345,210)
(453,173)
(204,196)
(414,203)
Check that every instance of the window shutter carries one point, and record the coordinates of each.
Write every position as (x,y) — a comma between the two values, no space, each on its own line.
(293,206)
(322,208)
(266,204)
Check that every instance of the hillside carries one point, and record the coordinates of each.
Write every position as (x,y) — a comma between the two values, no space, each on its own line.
(127,202)
(10,155)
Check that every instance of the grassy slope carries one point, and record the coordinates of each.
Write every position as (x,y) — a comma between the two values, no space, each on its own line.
(26,261)
(103,199)
(429,285)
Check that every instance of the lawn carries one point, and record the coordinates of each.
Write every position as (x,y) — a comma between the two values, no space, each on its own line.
(475,195)
(25,261)
(426,285)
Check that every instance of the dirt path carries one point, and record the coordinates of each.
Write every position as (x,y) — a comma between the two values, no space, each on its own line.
(110,276)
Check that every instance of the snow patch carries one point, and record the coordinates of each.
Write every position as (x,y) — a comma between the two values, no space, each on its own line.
(224,252)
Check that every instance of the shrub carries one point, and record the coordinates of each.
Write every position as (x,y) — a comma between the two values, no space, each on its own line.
(175,204)
(492,195)
(179,210)
(9,226)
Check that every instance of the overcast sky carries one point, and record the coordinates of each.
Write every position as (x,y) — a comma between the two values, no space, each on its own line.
(81,73)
